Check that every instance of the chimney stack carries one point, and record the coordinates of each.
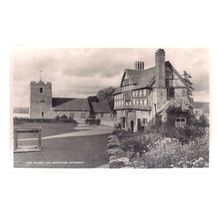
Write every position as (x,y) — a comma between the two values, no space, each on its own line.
(139,65)
(160,68)
(161,91)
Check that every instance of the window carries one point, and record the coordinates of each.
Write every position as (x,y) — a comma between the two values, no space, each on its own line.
(180,122)
(42,114)
(142,101)
(170,92)
(41,90)
(145,102)
(42,101)
(144,121)
(127,102)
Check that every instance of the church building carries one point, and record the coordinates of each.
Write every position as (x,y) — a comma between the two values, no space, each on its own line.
(44,106)
(145,93)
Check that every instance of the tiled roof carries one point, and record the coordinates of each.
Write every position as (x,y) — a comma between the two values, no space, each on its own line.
(144,78)
(59,101)
(101,107)
(70,104)
(141,78)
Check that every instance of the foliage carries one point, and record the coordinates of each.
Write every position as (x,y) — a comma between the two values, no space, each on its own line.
(107,94)
(194,154)
(122,133)
(181,147)
(183,134)
(181,107)
(139,142)
(203,121)
(93,121)
(189,86)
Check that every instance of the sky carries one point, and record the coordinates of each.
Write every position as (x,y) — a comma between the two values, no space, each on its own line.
(82,72)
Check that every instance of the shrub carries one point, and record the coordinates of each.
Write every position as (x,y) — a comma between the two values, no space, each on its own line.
(132,144)
(194,154)
(202,121)
(93,121)
(183,134)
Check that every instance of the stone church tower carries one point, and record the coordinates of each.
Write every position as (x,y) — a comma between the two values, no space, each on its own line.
(40,99)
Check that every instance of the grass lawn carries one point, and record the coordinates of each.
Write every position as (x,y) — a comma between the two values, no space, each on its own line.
(67,153)
(47,128)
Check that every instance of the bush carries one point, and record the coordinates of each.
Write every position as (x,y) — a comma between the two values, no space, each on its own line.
(121,133)
(183,134)
(93,121)
(202,121)
(194,154)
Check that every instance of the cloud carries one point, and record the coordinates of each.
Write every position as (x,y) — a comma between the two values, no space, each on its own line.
(82,72)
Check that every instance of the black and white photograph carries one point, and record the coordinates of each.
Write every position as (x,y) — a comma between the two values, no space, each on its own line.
(109,110)
(110,107)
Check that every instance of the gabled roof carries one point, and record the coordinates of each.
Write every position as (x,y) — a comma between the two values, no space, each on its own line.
(137,77)
(58,101)
(145,78)
(73,104)
(101,107)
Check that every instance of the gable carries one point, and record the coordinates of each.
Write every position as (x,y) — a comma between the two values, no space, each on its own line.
(146,78)
(177,82)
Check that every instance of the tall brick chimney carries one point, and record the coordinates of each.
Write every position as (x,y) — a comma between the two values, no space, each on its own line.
(139,65)
(160,68)
(161,92)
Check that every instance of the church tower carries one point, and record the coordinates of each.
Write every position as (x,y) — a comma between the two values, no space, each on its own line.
(40,100)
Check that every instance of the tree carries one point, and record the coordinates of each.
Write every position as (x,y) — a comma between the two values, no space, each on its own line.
(107,94)
(189,85)
(203,121)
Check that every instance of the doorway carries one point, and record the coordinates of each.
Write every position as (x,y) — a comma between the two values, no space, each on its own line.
(132,125)
(139,124)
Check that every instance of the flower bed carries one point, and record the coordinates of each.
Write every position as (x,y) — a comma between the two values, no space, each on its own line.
(156,151)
